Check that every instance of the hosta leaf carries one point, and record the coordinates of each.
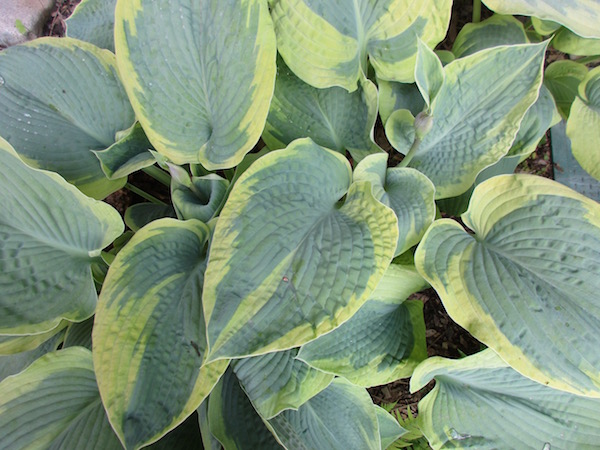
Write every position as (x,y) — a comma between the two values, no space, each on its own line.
(233,420)
(429,73)
(197,197)
(327,43)
(455,150)
(568,42)
(50,233)
(389,428)
(12,344)
(581,16)
(126,156)
(383,341)
(185,437)
(394,96)
(408,192)
(142,214)
(544,27)
(526,283)
(278,381)
(341,416)
(583,126)
(54,404)
(149,336)
(93,21)
(60,99)
(203,95)
(271,280)
(481,402)
(15,363)
(562,78)
(333,118)
(497,30)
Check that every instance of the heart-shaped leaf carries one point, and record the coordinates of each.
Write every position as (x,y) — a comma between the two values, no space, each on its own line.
(333,117)
(454,151)
(562,78)
(60,99)
(327,43)
(203,95)
(50,234)
(287,262)
(481,402)
(149,328)
(526,283)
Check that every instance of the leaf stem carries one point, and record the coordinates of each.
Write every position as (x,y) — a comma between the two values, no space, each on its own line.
(476,11)
(411,153)
(144,194)
(588,59)
(159,175)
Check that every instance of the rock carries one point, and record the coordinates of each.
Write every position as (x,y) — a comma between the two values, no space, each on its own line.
(22,20)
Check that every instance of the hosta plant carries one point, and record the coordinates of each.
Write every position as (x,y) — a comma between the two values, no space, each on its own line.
(255,308)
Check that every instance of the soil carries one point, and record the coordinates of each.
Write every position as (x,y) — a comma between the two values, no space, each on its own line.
(444,336)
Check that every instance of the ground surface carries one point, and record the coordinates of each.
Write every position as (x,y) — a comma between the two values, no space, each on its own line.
(444,337)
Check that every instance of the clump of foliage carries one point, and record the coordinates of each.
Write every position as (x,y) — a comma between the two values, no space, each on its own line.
(256,308)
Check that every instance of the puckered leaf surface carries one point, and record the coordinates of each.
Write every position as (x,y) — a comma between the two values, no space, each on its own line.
(481,402)
(287,262)
(50,234)
(327,43)
(55,404)
(62,98)
(203,94)
(149,336)
(526,283)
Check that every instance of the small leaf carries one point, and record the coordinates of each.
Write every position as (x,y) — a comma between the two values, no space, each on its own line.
(562,78)
(568,42)
(389,429)
(429,73)
(141,214)
(201,198)
(583,126)
(394,96)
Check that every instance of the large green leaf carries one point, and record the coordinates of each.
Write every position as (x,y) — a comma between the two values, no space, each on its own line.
(408,192)
(327,43)
(333,118)
(287,262)
(60,99)
(340,417)
(581,16)
(149,335)
(55,404)
(497,30)
(481,402)
(495,87)
(278,381)
(526,283)
(203,94)
(583,126)
(93,21)
(50,234)
(233,421)
(383,341)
